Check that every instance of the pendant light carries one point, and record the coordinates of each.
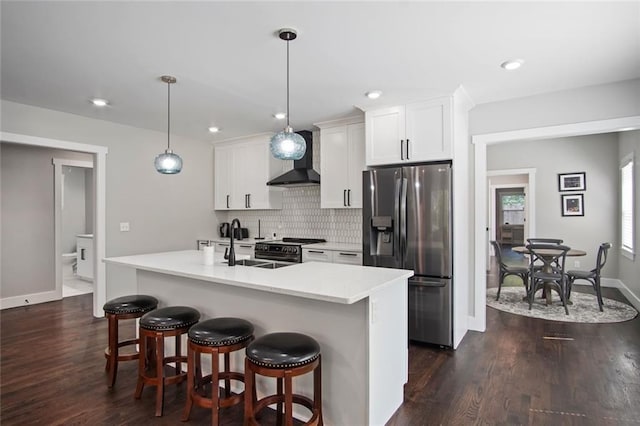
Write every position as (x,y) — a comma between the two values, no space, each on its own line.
(287,145)
(168,163)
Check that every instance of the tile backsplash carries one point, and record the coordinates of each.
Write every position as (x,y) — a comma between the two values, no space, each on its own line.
(301,216)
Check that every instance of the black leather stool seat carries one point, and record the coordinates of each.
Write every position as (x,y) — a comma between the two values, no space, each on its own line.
(137,303)
(221,332)
(283,350)
(170,318)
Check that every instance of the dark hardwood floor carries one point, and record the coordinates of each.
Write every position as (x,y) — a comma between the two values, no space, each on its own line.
(52,373)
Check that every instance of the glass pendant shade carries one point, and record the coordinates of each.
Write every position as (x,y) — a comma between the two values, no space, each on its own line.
(287,145)
(168,163)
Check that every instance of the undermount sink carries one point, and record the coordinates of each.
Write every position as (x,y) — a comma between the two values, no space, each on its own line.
(266,264)
(249,262)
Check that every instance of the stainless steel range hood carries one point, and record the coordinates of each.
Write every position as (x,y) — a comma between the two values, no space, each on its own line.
(302,173)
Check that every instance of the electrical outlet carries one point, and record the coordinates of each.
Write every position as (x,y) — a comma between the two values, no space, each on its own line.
(124,226)
(576,263)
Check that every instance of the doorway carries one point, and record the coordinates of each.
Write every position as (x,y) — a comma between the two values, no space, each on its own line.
(99,154)
(73,212)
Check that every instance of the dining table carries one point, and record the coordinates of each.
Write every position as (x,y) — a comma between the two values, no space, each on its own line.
(546,294)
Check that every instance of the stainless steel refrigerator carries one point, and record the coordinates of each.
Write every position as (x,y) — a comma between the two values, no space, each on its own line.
(407,224)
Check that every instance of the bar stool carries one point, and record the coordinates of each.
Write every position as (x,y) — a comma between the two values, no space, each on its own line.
(156,325)
(122,308)
(283,356)
(214,336)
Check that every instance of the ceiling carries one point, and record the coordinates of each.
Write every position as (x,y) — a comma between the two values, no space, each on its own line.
(231,66)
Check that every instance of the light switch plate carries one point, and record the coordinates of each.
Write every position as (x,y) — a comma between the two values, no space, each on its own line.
(124,226)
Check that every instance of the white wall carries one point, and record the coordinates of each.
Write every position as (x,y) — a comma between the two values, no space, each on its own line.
(27,253)
(621,99)
(165,212)
(597,156)
(629,270)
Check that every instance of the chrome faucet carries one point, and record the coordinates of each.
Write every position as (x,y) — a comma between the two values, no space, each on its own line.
(232,253)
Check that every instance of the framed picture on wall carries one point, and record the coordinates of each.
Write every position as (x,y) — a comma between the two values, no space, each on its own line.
(572,205)
(572,181)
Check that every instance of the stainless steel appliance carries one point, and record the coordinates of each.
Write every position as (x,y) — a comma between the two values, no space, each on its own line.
(407,224)
(285,250)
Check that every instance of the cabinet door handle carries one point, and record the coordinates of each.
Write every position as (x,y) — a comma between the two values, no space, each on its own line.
(407,148)
(227,201)
(349,197)
(401,151)
(245,245)
(316,251)
(344,197)
(82,254)
(248,201)
(348,254)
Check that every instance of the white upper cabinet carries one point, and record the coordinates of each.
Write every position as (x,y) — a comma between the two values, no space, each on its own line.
(341,163)
(242,169)
(415,132)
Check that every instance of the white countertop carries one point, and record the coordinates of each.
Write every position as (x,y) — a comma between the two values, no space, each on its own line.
(330,282)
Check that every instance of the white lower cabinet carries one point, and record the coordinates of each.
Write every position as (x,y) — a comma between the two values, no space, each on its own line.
(349,257)
(332,256)
(240,248)
(84,259)
(316,255)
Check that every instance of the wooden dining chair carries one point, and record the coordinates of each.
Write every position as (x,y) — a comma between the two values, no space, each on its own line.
(544,241)
(552,274)
(506,270)
(593,276)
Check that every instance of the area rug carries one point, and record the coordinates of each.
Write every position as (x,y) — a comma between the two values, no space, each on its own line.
(584,308)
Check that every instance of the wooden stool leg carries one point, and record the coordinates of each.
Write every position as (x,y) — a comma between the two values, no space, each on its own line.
(159,339)
(141,366)
(279,404)
(227,382)
(288,399)
(249,400)
(112,360)
(215,387)
(178,353)
(190,383)
(317,390)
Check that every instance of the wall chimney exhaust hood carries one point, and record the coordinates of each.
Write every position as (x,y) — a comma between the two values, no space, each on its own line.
(302,173)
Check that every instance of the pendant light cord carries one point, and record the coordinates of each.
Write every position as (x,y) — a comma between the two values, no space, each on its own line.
(287,83)
(168,115)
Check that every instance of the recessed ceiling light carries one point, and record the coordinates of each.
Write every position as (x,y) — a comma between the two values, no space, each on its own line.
(374,94)
(280,115)
(512,64)
(99,102)
(214,129)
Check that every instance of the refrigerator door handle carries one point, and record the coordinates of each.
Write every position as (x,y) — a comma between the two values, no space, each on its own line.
(403,218)
(396,214)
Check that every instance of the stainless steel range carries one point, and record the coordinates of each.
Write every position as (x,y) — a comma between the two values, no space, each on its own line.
(285,250)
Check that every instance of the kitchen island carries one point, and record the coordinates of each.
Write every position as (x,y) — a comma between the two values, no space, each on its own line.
(357,314)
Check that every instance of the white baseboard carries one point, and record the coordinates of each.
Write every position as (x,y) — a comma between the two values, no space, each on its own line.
(631,297)
(28,299)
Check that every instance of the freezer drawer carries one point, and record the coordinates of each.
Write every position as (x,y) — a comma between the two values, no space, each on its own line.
(430,316)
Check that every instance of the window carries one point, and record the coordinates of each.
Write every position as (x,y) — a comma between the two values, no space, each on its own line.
(512,206)
(627,231)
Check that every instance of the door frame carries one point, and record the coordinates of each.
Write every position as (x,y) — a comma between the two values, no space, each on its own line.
(99,202)
(478,321)
(58,164)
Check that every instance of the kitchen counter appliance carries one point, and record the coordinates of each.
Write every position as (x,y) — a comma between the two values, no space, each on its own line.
(285,250)
(407,224)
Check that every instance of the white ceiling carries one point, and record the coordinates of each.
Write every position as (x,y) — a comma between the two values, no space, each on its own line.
(230,64)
